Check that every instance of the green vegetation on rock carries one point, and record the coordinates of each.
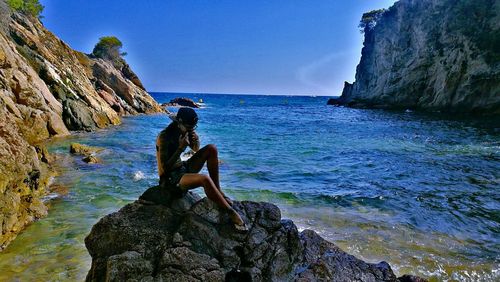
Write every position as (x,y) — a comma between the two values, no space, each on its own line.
(27,7)
(369,20)
(109,48)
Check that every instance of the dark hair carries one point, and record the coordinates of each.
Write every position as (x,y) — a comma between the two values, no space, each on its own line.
(187,116)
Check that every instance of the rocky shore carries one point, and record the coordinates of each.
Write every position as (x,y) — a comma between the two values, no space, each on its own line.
(430,55)
(48,90)
(189,239)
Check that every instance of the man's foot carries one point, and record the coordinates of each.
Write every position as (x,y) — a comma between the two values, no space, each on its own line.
(239,224)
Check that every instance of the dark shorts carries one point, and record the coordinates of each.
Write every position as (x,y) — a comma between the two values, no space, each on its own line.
(172,178)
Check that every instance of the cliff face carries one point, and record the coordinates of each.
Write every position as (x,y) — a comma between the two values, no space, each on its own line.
(47,89)
(189,239)
(433,55)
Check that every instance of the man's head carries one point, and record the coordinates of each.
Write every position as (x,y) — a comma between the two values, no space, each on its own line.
(187,119)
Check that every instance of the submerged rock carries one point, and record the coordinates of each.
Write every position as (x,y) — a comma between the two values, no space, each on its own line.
(85,150)
(91,159)
(88,152)
(157,238)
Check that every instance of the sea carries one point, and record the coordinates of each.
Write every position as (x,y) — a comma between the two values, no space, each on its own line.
(420,191)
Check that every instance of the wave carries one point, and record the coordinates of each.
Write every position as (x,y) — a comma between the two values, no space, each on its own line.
(139,175)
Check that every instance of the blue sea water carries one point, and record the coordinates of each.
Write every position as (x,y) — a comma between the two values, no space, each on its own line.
(420,191)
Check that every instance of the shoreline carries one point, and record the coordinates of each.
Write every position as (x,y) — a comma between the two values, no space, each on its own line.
(101,136)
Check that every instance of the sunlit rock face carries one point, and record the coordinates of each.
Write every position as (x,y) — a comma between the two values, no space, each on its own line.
(47,89)
(431,55)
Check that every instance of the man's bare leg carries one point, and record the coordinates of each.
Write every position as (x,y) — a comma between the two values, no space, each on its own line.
(194,180)
(210,155)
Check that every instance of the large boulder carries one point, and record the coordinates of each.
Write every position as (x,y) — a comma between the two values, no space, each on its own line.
(158,238)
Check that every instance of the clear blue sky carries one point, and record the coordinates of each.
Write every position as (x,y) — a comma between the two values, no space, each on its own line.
(221,46)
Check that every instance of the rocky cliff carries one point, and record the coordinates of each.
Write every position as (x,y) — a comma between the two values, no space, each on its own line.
(436,55)
(47,89)
(188,239)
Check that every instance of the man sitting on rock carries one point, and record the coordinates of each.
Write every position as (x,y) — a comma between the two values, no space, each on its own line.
(180,176)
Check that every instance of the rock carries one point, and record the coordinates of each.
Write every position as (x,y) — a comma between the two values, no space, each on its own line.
(91,159)
(334,102)
(326,262)
(130,75)
(183,102)
(46,90)
(80,149)
(137,100)
(160,238)
(87,151)
(410,278)
(431,55)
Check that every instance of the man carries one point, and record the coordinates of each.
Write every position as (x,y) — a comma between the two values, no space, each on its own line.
(180,176)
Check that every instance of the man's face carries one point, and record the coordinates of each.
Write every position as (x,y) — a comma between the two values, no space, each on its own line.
(186,128)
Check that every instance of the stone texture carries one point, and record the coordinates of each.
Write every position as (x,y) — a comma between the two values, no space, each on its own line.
(85,150)
(46,90)
(158,238)
(180,101)
(431,55)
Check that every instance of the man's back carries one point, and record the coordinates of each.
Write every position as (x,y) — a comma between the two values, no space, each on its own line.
(166,144)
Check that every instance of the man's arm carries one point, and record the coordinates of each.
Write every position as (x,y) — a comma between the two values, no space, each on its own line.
(194,141)
(165,163)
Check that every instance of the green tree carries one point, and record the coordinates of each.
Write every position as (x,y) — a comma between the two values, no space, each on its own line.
(369,20)
(109,48)
(27,7)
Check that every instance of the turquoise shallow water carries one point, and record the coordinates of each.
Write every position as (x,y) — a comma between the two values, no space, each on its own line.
(421,191)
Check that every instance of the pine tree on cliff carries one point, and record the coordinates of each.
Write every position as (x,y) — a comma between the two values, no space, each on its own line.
(28,7)
(369,20)
(109,48)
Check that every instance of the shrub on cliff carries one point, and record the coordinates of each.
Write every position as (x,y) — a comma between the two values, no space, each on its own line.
(109,48)
(369,20)
(27,7)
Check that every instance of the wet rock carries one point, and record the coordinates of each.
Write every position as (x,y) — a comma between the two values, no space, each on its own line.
(88,152)
(160,238)
(91,159)
(85,150)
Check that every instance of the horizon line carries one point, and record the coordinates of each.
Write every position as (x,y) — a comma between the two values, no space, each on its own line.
(243,94)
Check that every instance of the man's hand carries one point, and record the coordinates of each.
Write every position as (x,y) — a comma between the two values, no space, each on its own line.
(183,142)
(194,141)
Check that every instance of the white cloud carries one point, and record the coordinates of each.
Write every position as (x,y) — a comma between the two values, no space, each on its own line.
(323,74)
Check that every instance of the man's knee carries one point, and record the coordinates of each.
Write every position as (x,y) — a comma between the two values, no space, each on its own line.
(205,179)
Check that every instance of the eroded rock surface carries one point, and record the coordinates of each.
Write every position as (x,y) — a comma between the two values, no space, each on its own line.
(189,239)
(46,90)
(432,55)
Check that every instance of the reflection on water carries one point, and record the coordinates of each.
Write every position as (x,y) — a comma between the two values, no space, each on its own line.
(416,190)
